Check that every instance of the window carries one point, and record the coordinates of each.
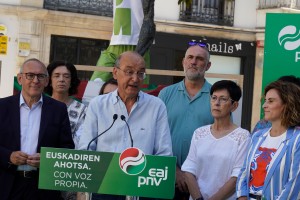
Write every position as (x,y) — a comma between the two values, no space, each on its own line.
(220,12)
(79,51)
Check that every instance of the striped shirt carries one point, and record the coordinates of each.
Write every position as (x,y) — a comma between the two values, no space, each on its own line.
(282,180)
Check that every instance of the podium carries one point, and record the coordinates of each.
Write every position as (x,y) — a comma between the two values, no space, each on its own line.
(130,173)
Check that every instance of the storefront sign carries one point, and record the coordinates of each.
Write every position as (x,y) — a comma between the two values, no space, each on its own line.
(224,47)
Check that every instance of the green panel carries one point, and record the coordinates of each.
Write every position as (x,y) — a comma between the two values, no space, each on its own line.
(100,172)
(72,174)
(282,33)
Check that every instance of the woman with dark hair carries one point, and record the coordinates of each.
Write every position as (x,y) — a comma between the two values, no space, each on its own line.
(272,166)
(109,86)
(217,150)
(63,83)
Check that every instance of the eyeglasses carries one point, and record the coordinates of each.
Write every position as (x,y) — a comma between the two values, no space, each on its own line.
(130,73)
(194,43)
(30,76)
(222,100)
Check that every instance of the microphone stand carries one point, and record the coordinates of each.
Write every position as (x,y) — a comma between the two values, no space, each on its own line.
(114,119)
(131,142)
(124,119)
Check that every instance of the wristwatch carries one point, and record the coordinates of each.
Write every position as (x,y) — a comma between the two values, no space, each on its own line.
(200,198)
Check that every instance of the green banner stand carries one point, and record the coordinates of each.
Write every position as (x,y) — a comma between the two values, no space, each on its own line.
(130,173)
(282,46)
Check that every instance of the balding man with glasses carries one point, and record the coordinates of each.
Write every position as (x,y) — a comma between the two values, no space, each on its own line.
(188,106)
(29,121)
(136,119)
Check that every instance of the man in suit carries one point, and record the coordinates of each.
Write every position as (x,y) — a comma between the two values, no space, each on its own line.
(29,121)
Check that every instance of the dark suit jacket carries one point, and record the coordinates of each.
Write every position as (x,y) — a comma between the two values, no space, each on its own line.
(55,132)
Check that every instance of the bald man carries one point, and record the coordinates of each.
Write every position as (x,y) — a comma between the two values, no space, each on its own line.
(145,114)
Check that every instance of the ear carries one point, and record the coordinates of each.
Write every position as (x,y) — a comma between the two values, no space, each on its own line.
(19,78)
(208,66)
(114,72)
(46,81)
(234,106)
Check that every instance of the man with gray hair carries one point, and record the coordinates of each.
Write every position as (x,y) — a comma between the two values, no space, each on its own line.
(188,106)
(29,121)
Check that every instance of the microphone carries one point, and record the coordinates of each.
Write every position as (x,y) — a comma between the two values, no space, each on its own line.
(124,119)
(115,117)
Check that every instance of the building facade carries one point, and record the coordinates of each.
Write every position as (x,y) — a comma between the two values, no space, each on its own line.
(78,31)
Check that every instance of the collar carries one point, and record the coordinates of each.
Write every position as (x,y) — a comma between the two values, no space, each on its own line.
(289,134)
(205,89)
(116,97)
(22,101)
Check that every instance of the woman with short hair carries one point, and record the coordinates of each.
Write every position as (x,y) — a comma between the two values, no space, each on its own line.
(217,150)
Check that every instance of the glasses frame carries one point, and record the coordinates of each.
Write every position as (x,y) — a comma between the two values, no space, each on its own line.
(221,100)
(140,75)
(30,76)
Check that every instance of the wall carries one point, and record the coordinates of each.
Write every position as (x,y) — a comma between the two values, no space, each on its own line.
(166,10)
(9,61)
(37,25)
(10,2)
(245,14)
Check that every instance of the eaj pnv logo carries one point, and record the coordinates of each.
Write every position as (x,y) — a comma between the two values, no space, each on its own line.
(132,161)
(289,37)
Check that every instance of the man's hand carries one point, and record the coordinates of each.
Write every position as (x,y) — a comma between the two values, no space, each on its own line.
(34,160)
(242,198)
(180,181)
(18,158)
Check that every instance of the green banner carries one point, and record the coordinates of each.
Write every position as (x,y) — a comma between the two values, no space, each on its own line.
(282,46)
(129,173)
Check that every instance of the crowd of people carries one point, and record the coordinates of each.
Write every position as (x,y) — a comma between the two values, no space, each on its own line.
(191,120)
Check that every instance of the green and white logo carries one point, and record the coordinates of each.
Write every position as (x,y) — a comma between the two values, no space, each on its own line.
(289,37)
(132,161)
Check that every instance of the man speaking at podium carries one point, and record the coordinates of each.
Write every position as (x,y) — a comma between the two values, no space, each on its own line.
(127,117)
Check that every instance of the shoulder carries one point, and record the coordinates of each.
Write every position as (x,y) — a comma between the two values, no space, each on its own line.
(170,89)
(207,85)
(259,134)
(261,125)
(201,132)
(240,134)
(77,105)
(48,101)
(103,101)
(148,98)
(10,99)
(295,134)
